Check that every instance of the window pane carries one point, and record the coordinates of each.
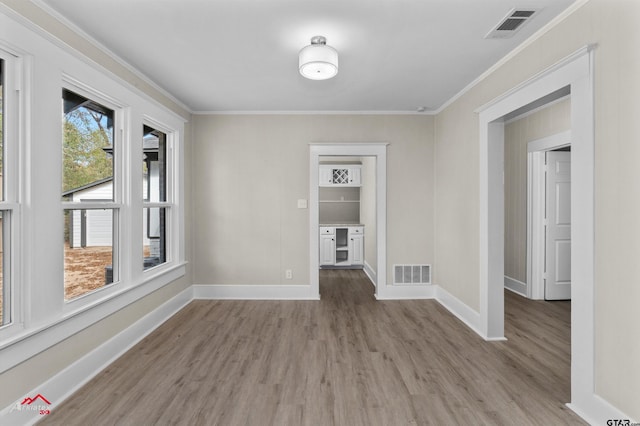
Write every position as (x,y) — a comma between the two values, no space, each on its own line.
(88,251)
(154,241)
(87,148)
(154,167)
(5,311)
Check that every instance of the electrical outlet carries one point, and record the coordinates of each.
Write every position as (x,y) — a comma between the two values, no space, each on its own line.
(288,274)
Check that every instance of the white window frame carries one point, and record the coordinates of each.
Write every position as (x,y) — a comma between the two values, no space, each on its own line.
(171,252)
(13,98)
(119,262)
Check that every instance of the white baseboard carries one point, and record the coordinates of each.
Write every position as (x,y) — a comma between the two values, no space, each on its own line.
(253,292)
(596,411)
(65,383)
(371,273)
(515,285)
(458,308)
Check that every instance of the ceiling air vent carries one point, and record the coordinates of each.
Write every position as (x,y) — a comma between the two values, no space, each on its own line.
(511,24)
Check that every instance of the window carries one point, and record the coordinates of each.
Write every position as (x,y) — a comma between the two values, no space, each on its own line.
(70,146)
(155,206)
(7,187)
(88,195)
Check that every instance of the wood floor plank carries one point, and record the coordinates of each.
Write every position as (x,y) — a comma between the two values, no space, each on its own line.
(345,360)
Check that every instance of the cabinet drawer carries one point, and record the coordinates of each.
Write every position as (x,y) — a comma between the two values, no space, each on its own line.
(356,230)
(326,230)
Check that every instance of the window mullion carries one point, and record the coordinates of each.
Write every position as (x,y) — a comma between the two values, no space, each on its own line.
(93,205)
(163,204)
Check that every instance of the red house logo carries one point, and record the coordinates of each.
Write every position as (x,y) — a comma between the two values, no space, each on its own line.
(29,401)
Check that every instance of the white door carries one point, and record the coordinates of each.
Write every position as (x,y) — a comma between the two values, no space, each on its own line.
(558,226)
(356,249)
(327,250)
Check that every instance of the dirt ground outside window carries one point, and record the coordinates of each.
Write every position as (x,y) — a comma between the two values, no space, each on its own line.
(84,269)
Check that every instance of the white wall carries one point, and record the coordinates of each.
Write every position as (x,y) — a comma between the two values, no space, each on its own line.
(548,121)
(613,25)
(249,171)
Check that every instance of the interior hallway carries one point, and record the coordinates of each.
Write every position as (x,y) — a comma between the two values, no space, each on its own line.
(346,360)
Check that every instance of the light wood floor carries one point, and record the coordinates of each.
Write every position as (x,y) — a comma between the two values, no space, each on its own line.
(346,360)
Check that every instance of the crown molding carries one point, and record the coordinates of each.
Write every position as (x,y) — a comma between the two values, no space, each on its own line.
(313,113)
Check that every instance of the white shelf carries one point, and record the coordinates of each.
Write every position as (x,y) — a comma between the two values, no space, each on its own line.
(339,201)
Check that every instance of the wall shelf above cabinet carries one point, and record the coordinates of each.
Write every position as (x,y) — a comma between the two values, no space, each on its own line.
(340,175)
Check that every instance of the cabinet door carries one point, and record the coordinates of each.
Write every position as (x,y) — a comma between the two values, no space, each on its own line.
(327,250)
(325,177)
(356,249)
(354,177)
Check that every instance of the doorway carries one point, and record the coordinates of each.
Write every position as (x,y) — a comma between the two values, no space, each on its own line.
(528,137)
(376,152)
(347,214)
(576,73)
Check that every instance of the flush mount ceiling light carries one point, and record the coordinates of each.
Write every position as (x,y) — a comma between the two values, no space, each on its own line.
(318,61)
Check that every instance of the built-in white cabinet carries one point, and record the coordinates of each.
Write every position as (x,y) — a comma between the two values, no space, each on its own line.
(356,249)
(341,246)
(327,246)
(340,175)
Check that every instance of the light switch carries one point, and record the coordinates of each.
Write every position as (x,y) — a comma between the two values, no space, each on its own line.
(302,204)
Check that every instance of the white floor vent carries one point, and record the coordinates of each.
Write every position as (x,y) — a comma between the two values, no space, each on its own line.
(411,274)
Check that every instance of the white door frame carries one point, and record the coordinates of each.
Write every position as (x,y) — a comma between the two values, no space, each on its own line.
(575,71)
(378,150)
(535,209)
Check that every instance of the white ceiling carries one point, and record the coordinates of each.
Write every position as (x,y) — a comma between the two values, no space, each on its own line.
(242,55)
